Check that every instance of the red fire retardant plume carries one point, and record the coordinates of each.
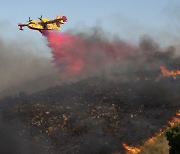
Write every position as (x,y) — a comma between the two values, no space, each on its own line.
(83,55)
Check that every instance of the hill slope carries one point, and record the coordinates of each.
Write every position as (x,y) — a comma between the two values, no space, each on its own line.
(95,115)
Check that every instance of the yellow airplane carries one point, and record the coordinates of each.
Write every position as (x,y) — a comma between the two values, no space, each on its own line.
(44,23)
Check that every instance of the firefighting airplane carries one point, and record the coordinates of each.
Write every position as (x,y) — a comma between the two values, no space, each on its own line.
(44,23)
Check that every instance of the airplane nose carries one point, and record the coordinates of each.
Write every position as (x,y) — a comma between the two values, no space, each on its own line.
(64,18)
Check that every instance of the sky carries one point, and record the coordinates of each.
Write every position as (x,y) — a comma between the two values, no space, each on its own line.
(129,19)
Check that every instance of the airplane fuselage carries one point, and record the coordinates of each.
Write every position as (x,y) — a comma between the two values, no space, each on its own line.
(44,23)
(40,26)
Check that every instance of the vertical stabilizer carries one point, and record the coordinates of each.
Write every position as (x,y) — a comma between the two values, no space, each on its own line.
(58,16)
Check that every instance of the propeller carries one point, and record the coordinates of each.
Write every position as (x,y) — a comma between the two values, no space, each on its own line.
(40,18)
(29,20)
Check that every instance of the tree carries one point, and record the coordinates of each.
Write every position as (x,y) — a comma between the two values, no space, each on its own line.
(173,136)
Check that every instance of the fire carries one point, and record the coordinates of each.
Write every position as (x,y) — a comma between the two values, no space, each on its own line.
(136,150)
(152,139)
(167,73)
(164,73)
(175,119)
(130,149)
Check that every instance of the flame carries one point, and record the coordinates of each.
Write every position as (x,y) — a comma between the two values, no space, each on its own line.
(153,138)
(175,119)
(171,123)
(131,149)
(167,73)
(136,150)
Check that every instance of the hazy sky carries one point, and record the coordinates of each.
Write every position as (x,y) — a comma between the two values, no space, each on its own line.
(88,11)
(127,18)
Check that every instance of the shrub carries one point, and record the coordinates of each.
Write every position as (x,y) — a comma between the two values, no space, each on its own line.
(173,136)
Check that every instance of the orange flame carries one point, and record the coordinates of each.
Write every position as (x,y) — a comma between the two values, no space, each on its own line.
(136,150)
(175,119)
(152,139)
(130,149)
(167,73)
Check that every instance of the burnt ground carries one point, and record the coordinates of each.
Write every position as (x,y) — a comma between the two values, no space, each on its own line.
(95,115)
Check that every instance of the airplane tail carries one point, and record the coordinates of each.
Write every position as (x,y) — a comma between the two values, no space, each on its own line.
(58,16)
(61,19)
(21,26)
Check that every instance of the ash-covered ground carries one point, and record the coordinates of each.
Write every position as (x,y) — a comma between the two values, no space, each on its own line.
(95,115)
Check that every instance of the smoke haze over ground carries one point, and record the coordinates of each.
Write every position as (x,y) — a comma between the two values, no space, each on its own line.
(79,55)
(19,64)
(104,108)
(89,54)
(86,53)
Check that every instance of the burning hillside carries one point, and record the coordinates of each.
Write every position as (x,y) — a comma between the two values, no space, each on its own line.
(141,149)
(118,94)
(95,115)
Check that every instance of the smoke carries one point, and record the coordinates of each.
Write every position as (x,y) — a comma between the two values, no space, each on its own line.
(85,54)
(20,62)
(23,67)
(93,53)
(150,56)
(11,142)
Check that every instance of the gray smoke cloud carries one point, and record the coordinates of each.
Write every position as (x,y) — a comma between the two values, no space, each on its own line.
(23,68)
(148,57)
(101,55)
(21,62)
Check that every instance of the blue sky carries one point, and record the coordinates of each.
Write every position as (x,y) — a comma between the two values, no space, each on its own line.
(127,18)
(87,11)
